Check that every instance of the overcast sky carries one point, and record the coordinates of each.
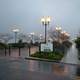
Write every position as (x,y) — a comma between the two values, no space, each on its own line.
(27,13)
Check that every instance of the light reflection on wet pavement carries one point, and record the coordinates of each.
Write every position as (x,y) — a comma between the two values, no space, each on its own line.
(21,69)
(17,68)
(71,56)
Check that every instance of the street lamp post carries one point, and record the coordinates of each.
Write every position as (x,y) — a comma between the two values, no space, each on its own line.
(58,29)
(45,21)
(40,38)
(40,42)
(32,36)
(29,43)
(15,31)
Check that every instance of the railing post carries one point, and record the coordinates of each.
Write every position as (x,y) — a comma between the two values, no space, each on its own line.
(9,50)
(53,46)
(29,49)
(40,47)
(19,51)
(5,51)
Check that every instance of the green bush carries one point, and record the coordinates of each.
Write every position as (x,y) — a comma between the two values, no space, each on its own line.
(17,45)
(62,47)
(67,44)
(3,45)
(48,55)
(77,41)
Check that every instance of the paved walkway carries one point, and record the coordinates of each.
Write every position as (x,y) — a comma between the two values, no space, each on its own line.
(71,56)
(21,69)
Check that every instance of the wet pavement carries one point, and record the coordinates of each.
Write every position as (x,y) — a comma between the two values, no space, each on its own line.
(17,68)
(20,69)
(71,56)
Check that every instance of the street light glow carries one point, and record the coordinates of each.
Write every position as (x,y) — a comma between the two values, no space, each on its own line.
(15,30)
(32,33)
(65,33)
(58,28)
(45,20)
(48,19)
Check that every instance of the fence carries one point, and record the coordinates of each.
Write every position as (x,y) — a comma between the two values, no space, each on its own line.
(16,52)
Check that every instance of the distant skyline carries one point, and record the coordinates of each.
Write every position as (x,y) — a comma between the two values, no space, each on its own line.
(27,14)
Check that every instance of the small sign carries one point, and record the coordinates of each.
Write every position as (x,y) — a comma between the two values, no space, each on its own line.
(47,47)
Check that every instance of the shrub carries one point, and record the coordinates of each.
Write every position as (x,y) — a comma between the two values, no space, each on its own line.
(3,45)
(77,41)
(48,55)
(17,45)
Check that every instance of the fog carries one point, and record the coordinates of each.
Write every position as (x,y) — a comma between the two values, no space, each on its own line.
(26,14)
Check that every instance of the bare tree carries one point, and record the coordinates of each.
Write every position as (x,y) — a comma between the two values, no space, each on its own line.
(58,36)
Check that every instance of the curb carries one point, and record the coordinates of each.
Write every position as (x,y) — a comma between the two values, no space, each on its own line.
(40,59)
(47,60)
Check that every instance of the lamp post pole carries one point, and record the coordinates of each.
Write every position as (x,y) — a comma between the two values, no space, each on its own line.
(15,36)
(58,29)
(29,44)
(45,21)
(40,38)
(32,37)
(45,32)
(15,31)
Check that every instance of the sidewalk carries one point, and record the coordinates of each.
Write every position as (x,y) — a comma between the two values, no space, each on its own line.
(71,56)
